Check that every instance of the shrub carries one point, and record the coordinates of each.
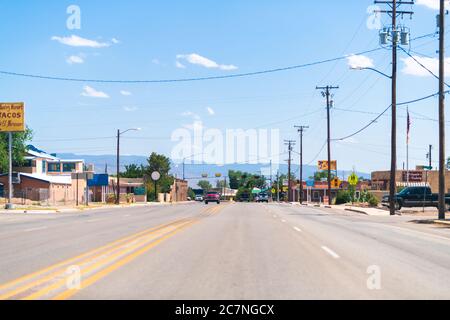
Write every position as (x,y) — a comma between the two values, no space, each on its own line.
(372,200)
(343,197)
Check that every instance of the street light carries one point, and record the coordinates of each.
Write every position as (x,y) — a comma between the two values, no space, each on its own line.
(371,69)
(184,159)
(119,133)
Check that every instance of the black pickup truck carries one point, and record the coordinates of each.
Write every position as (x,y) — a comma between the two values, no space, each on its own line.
(416,197)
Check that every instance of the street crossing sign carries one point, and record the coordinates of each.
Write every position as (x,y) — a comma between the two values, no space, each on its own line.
(353,179)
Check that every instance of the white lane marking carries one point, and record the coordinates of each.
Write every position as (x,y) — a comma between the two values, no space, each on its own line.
(35,229)
(298,229)
(284,221)
(420,233)
(127,215)
(330,252)
(275,216)
(94,220)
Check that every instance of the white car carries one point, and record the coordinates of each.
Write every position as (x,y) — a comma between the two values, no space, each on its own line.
(199,198)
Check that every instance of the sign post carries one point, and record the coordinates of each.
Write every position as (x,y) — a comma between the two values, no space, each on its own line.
(155,177)
(12,119)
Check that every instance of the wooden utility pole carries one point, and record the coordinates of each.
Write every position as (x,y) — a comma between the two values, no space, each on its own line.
(442,164)
(327,93)
(290,144)
(393,12)
(301,130)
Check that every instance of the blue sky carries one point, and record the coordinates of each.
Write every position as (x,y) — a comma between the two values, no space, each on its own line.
(141,39)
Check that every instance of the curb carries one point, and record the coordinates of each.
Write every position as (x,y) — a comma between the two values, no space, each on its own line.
(357,211)
(441,222)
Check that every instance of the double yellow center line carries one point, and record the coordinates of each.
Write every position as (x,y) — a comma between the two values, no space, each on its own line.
(52,282)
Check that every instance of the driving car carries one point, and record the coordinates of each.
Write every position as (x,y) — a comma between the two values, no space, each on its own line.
(262,197)
(199,198)
(212,196)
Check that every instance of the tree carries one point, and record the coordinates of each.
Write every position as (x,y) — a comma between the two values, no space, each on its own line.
(133,171)
(20,141)
(322,175)
(204,185)
(161,164)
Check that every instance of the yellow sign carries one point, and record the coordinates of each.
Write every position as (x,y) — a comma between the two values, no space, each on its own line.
(274,191)
(336,183)
(285,189)
(323,165)
(353,179)
(12,117)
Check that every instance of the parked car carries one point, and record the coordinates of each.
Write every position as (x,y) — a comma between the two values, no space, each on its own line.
(244,197)
(415,197)
(199,198)
(262,197)
(212,196)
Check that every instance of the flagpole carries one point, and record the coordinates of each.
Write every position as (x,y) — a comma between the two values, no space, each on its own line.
(407,146)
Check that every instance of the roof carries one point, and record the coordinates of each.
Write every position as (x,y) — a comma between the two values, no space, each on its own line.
(49,179)
(36,153)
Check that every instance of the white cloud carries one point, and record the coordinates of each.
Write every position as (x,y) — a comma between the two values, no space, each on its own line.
(359,61)
(432,4)
(191,115)
(414,69)
(179,65)
(125,93)
(76,41)
(115,41)
(210,111)
(156,61)
(92,93)
(130,109)
(199,60)
(75,60)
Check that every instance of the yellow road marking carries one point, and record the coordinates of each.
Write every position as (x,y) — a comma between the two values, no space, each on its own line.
(96,254)
(143,236)
(103,273)
(100,264)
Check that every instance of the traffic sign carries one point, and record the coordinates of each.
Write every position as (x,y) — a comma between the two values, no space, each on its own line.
(274,191)
(156,176)
(336,183)
(353,179)
(12,117)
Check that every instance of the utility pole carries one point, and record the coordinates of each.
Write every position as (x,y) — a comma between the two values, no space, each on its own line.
(327,93)
(118,168)
(278,186)
(442,165)
(393,12)
(290,144)
(301,130)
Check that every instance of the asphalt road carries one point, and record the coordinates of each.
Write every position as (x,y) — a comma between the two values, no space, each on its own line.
(231,251)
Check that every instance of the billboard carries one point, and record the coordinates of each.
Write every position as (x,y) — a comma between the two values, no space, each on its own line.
(323,165)
(12,117)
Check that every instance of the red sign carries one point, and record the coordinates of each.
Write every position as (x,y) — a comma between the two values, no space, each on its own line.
(414,176)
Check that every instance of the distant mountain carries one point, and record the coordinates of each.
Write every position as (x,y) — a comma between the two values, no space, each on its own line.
(194,172)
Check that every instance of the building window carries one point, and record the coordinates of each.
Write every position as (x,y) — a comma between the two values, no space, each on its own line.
(54,167)
(44,166)
(69,167)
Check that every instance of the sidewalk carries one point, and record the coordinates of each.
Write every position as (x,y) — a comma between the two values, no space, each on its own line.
(367,211)
(95,206)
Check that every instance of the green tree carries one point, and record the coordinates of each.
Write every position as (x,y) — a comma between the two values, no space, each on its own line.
(204,185)
(161,164)
(133,171)
(20,142)
(319,176)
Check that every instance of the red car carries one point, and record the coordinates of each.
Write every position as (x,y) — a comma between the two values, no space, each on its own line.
(212,197)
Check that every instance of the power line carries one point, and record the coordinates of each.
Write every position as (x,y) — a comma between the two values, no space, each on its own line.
(386,110)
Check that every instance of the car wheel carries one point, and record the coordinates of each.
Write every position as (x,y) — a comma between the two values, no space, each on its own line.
(218,202)
(206,202)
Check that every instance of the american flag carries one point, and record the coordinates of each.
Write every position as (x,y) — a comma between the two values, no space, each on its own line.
(409,122)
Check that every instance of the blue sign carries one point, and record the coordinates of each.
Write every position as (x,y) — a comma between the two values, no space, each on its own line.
(99,180)
(310,183)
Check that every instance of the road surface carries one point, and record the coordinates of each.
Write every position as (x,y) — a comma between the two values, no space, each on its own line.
(228,251)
